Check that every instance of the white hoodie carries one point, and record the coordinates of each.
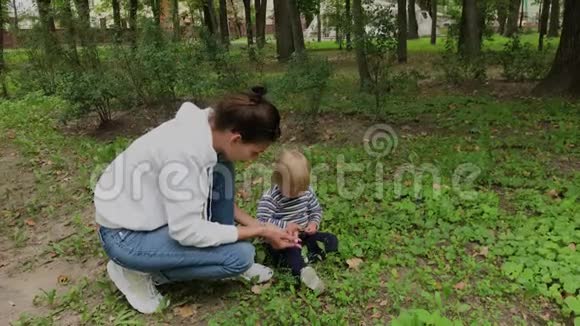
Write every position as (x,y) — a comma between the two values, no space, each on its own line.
(164,178)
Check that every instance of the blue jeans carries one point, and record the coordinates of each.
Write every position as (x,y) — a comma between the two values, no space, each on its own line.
(157,253)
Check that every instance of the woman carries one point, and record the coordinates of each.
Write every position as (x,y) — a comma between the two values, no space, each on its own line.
(166,207)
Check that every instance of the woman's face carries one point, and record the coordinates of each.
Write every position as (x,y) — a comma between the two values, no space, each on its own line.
(237,150)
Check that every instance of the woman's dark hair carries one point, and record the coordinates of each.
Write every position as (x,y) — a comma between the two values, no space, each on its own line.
(249,114)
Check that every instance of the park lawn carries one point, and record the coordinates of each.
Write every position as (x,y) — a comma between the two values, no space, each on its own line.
(471,216)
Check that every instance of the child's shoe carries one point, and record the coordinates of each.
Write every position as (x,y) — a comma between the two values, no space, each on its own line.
(309,277)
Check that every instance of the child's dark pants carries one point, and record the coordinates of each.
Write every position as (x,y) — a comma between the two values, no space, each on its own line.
(293,256)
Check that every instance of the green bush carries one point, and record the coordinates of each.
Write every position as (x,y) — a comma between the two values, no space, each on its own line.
(89,91)
(521,61)
(456,68)
(307,76)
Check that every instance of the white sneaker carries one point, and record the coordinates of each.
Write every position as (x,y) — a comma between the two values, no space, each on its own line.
(309,277)
(137,287)
(258,272)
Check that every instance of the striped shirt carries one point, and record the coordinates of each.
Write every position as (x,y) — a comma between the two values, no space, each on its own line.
(279,210)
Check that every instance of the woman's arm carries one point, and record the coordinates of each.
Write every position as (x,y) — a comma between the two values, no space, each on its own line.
(244,218)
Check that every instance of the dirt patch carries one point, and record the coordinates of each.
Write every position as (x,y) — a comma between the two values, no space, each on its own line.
(17,292)
(16,180)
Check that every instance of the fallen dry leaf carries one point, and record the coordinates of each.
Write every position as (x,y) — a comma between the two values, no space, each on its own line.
(459,286)
(258,288)
(185,311)
(553,193)
(436,186)
(63,280)
(354,262)
(376,315)
(572,246)
(259,180)
(30,223)
(483,251)
(384,303)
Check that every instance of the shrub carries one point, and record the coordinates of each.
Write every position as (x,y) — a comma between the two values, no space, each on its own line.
(521,61)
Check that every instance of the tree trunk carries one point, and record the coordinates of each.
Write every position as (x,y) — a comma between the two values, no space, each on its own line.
(470,30)
(209,16)
(319,26)
(133,6)
(521,16)
(68,22)
(502,14)
(564,77)
(261,7)
(413,32)
(348,24)
(156,9)
(224,26)
(15,12)
(45,15)
(175,20)
(402,31)
(236,18)
(543,28)
(554,19)
(360,43)
(284,41)
(512,21)
(296,25)
(248,14)
(3,90)
(433,22)
(117,20)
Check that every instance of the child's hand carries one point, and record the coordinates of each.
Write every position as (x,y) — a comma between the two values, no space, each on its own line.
(311,228)
(293,228)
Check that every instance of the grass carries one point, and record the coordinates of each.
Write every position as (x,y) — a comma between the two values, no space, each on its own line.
(472,218)
(423,44)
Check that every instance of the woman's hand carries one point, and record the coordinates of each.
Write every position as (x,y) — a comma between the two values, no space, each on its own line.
(311,228)
(280,239)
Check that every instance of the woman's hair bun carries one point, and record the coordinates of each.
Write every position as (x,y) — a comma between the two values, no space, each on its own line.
(259,90)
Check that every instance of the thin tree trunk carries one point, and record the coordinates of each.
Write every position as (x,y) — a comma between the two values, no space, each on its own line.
(554,19)
(261,7)
(15,12)
(224,28)
(402,31)
(248,14)
(209,16)
(521,16)
(236,18)
(319,26)
(4,92)
(360,43)
(175,19)
(413,32)
(433,22)
(348,18)
(543,28)
(117,20)
(284,41)
(296,25)
(47,22)
(564,77)
(156,9)
(470,30)
(502,14)
(70,32)
(133,5)
(512,20)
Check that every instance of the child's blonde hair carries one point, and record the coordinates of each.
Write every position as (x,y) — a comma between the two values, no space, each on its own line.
(291,172)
